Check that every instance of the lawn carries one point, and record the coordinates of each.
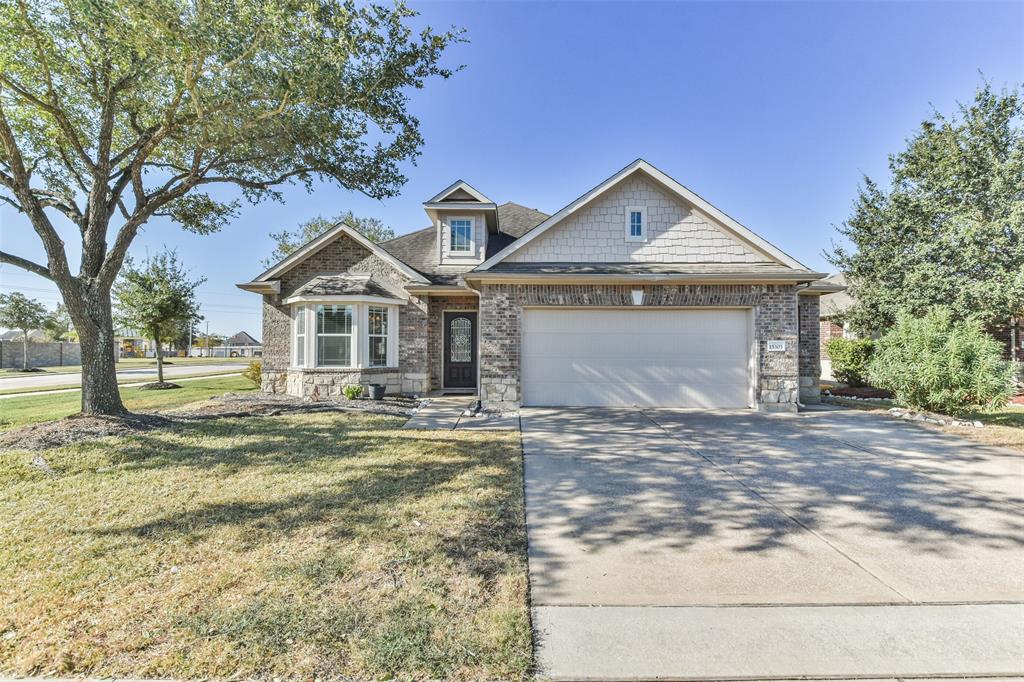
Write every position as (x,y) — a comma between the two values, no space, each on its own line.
(303,546)
(33,409)
(1004,428)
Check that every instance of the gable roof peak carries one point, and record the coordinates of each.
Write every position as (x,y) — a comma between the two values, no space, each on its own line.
(460,188)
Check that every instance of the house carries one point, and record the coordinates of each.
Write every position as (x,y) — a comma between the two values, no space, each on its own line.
(34,335)
(834,305)
(241,345)
(639,292)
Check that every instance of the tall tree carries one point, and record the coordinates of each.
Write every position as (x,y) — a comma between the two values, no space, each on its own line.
(158,299)
(17,311)
(950,229)
(117,111)
(288,241)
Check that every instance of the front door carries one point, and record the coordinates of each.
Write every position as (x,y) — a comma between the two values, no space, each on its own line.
(459,350)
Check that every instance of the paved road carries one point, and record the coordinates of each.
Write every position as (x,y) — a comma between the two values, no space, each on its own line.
(45,380)
(689,544)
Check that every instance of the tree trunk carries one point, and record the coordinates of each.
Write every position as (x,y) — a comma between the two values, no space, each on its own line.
(159,361)
(24,351)
(94,323)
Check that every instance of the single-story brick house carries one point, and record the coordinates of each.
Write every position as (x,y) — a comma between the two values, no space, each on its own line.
(639,292)
(834,305)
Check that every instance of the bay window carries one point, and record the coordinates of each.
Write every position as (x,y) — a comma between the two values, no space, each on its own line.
(344,334)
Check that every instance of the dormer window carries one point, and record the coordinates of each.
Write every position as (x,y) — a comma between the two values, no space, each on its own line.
(461,235)
(636,224)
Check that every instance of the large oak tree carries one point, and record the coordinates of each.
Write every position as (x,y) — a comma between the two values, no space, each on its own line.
(949,229)
(116,111)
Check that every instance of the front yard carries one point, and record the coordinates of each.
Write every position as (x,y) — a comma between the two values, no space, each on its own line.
(299,546)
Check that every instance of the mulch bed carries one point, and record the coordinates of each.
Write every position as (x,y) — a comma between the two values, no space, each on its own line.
(861,392)
(77,428)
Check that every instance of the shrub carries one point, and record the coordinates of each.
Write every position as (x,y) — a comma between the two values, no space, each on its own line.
(934,363)
(352,391)
(254,372)
(850,359)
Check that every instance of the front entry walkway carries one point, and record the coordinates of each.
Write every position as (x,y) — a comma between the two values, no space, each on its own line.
(696,544)
(450,412)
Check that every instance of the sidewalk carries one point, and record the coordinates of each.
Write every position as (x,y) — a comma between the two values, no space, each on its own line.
(447,413)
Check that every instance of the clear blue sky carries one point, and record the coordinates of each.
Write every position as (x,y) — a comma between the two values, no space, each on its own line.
(770,111)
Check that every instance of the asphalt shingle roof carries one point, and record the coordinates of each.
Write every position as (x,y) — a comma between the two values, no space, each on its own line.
(343,285)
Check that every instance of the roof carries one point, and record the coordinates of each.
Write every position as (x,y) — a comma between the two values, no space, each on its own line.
(419,249)
(344,285)
(16,335)
(683,270)
(242,339)
(839,302)
(728,223)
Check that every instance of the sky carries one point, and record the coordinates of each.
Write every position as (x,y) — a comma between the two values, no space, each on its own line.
(773,112)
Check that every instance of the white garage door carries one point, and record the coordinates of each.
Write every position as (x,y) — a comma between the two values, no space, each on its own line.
(622,357)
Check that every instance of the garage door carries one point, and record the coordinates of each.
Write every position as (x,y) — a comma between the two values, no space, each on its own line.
(622,357)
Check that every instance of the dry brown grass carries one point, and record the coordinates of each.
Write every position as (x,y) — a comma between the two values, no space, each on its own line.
(299,546)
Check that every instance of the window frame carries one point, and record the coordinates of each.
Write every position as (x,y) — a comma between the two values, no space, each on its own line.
(370,336)
(352,335)
(471,245)
(360,336)
(630,237)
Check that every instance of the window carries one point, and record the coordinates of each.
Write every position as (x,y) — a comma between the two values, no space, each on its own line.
(636,224)
(334,335)
(300,336)
(461,234)
(377,331)
(461,340)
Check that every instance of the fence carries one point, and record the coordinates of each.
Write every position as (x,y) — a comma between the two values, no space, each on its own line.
(40,354)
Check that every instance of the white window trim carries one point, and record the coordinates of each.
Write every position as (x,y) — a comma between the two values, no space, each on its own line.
(299,312)
(642,210)
(360,335)
(469,253)
(353,337)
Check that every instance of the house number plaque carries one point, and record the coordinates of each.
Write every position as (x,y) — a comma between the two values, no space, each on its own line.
(776,346)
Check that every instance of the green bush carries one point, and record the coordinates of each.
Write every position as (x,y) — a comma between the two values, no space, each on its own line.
(850,359)
(934,363)
(352,391)
(254,372)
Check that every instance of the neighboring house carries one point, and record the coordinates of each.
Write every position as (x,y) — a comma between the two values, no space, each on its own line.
(833,306)
(241,345)
(34,336)
(639,292)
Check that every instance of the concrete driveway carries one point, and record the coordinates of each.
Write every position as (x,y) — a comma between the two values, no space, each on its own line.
(679,543)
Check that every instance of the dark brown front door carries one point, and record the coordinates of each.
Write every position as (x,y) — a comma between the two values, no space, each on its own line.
(459,350)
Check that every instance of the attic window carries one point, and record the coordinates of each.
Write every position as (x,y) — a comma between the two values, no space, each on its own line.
(461,234)
(636,224)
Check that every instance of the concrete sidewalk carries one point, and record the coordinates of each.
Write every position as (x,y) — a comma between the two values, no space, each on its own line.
(447,413)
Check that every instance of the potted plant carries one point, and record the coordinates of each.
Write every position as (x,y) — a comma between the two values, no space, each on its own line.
(377,391)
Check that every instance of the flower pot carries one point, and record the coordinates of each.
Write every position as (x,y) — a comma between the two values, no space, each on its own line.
(377,391)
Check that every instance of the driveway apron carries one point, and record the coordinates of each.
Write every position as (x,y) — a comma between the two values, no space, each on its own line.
(712,529)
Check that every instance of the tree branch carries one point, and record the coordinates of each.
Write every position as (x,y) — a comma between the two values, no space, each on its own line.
(25,264)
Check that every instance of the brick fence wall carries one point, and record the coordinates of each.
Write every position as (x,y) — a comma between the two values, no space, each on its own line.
(501,312)
(40,354)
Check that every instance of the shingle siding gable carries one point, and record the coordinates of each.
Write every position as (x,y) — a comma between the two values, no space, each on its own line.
(675,233)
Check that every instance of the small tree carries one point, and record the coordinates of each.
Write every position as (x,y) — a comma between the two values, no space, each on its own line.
(58,324)
(24,314)
(936,363)
(289,240)
(157,298)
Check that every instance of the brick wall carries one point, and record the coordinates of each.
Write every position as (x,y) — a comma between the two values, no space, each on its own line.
(501,310)
(675,233)
(343,256)
(435,339)
(810,348)
(828,330)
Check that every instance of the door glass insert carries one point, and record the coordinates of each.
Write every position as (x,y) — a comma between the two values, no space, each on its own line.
(460,347)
